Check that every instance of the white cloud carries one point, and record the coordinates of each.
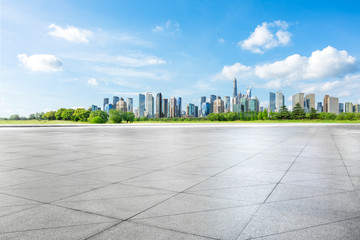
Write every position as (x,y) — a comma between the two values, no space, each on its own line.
(170,27)
(221,40)
(70,33)
(235,70)
(322,64)
(41,62)
(92,82)
(264,37)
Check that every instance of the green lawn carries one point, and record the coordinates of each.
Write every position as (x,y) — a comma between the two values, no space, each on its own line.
(193,121)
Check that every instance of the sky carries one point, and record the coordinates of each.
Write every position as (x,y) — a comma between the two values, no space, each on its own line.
(74,53)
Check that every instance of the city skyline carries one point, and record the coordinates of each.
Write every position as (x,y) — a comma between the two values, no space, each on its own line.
(187,50)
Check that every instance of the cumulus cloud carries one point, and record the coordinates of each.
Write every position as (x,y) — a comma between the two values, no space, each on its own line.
(41,62)
(326,63)
(221,40)
(70,33)
(235,70)
(267,36)
(92,82)
(170,27)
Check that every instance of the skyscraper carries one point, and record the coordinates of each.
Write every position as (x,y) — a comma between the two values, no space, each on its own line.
(341,107)
(172,107)
(205,109)
(165,108)
(115,100)
(298,98)
(191,110)
(121,105)
(196,113)
(149,105)
(106,101)
(280,100)
(202,100)
(141,108)
(227,104)
(326,103)
(130,106)
(212,99)
(254,104)
(234,87)
(334,105)
(320,107)
(178,107)
(218,106)
(310,101)
(248,92)
(159,105)
(272,102)
(348,107)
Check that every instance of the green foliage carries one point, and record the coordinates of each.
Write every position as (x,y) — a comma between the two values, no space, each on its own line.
(39,115)
(129,117)
(115,116)
(98,113)
(327,116)
(80,114)
(298,112)
(97,119)
(14,117)
(347,116)
(58,113)
(283,113)
(265,114)
(32,116)
(67,114)
(260,116)
(49,115)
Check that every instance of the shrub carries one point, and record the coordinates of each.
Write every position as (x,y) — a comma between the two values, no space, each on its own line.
(97,119)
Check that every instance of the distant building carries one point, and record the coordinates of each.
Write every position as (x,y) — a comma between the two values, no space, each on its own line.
(159,106)
(130,105)
(349,107)
(272,98)
(326,103)
(191,110)
(95,108)
(106,101)
(172,107)
(261,109)
(298,98)
(108,107)
(334,105)
(136,112)
(179,107)
(227,104)
(254,105)
(244,104)
(218,106)
(212,99)
(234,87)
(248,92)
(202,100)
(280,100)
(356,108)
(149,105)
(309,102)
(165,108)
(341,107)
(115,100)
(121,105)
(320,107)
(196,111)
(141,108)
(205,109)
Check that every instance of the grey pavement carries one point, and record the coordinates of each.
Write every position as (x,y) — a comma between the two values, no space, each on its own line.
(180,181)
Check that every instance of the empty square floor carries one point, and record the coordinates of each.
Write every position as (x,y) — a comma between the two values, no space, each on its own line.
(186,181)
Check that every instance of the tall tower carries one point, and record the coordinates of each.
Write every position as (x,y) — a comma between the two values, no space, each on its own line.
(129,104)
(248,92)
(326,103)
(141,108)
(106,101)
(272,102)
(149,105)
(159,105)
(280,100)
(234,87)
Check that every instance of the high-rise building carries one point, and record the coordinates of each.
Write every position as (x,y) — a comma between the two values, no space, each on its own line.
(218,106)
(271,102)
(349,107)
(115,100)
(212,99)
(227,103)
(234,87)
(187,110)
(309,101)
(141,108)
(130,106)
(202,100)
(248,92)
(320,107)
(298,98)
(341,107)
(334,105)
(108,107)
(254,104)
(244,104)
(165,108)
(356,108)
(159,105)
(136,112)
(106,101)
(280,100)
(326,103)
(149,105)
(205,109)
(196,111)
(191,110)
(179,107)
(172,107)
(95,108)
(121,105)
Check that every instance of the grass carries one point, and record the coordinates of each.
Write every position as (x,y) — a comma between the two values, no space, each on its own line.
(192,121)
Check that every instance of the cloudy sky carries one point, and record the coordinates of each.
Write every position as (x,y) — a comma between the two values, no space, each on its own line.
(74,53)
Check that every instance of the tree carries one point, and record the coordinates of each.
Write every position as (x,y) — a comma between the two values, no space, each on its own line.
(115,116)
(298,112)
(32,116)
(39,115)
(260,116)
(97,119)
(265,115)
(130,117)
(15,117)
(67,114)
(313,114)
(80,114)
(49,115)
(59,112)
(98,113)
(283,113)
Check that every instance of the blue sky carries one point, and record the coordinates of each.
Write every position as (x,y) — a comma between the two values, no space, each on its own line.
(74,53)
